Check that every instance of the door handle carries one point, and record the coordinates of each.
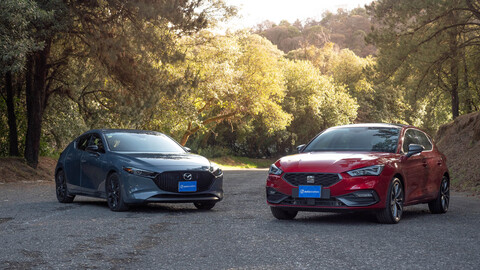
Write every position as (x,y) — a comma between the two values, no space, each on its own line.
(83,160)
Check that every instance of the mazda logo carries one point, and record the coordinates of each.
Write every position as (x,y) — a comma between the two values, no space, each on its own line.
(187,176)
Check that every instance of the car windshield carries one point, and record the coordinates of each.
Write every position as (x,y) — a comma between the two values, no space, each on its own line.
(142,143)
(364,139)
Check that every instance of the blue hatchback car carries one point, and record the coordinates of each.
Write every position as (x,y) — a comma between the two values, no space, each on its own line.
(136,167)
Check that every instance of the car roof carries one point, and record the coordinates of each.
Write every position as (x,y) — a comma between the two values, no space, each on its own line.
(106,130)
(380,125)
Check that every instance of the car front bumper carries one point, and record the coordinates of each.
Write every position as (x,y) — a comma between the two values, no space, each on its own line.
(137,190)
(350,193)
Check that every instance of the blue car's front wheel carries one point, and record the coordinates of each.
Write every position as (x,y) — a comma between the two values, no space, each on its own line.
(61,189)
(114,194)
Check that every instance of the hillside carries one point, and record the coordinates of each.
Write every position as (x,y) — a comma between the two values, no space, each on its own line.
(460,142)
(16,170)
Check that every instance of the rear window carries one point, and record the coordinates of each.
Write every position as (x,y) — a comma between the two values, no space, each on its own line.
(362,139)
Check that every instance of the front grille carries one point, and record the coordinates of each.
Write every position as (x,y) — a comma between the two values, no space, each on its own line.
(168,181)
(323,179)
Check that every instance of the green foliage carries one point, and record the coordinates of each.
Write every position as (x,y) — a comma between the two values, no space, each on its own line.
(346,29)
(426,48)
(149,65)
(227,78)
(348,70)
(17,38)
(214,151)
(315,101)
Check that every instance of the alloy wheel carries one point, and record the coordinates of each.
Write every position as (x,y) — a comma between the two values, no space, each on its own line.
(113,192)
(396,201)
(61,189)
(61,185)
(445,194)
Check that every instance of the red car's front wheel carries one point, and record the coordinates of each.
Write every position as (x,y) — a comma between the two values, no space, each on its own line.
(283,214)
(393,211)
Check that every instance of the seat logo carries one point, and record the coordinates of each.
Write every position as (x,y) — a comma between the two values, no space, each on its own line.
(187,176)
(310,179)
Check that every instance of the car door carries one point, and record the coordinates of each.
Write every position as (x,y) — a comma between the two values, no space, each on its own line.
(431,160)
(93,165)
(73,161)
(415,169)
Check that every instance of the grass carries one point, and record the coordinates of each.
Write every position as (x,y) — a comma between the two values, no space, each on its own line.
(234,162)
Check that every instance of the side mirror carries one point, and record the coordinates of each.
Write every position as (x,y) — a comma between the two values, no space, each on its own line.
(92,148)
(187,149)
(300,147)
(414,149)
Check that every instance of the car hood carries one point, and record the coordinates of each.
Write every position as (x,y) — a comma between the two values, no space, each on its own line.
(331,162)
(164,162)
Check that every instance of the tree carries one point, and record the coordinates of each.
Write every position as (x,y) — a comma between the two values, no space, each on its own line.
(126,38)
(315,101)
(230,77)
(16,41)
(351,72)
(346,29)
(422,46)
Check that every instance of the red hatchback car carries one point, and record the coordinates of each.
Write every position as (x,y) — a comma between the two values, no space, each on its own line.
(375,167)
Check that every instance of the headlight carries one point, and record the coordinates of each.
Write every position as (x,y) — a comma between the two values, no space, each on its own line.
(140,172)
(371,170)
(274,170)
(215,170)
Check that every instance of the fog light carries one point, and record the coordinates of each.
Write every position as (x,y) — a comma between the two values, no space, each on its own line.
(271,191)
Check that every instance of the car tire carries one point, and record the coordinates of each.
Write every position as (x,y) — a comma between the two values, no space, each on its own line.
(61,189)
(392,213)
(114,194)
(283,214)
(204,205)
(440,204)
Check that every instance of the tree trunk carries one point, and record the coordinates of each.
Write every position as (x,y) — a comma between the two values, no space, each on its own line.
(36,100)
(454,76)
(185,137)
(12,119)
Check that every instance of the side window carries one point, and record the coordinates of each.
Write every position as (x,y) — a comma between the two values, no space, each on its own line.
(83,142)
(408,139)
(96,140)
(423,140)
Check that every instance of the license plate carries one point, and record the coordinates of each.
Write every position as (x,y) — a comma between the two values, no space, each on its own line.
(187,186)
(309,191)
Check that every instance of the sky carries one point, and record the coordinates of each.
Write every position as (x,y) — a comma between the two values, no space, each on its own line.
(253,12)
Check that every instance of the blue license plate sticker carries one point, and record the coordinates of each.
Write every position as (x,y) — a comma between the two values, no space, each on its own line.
(187,186)
(309,191)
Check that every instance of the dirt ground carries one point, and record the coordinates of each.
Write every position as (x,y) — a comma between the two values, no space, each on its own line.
(460,142)
(16,170)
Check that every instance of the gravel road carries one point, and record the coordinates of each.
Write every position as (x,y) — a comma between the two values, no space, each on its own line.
(37,232)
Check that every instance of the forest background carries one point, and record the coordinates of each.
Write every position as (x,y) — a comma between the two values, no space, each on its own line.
(69,66)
